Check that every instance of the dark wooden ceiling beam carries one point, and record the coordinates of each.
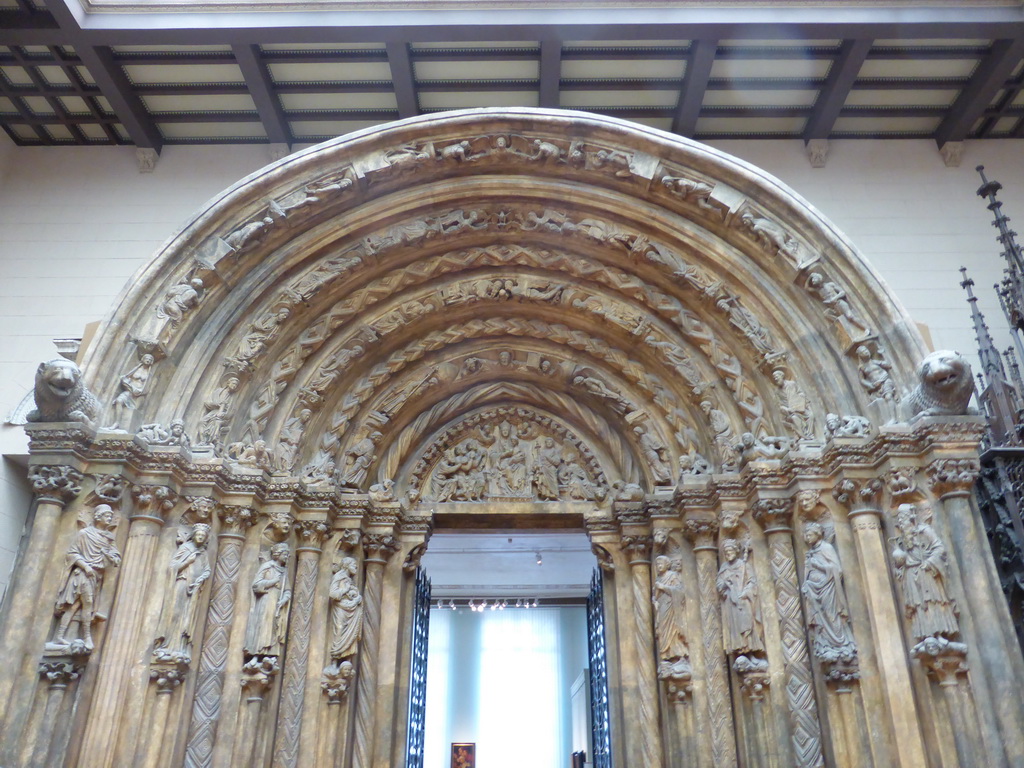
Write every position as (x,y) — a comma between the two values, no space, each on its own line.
(984,84)
(61,114)
(550,73)
(261,88)
(695,82)
(68,65)
(117,89)
(836,89)
(404,79)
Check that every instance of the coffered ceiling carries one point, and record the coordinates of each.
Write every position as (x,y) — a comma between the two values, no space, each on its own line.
(181,73)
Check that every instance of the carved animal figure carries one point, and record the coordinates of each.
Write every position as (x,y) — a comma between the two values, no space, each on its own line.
(61,396)
(945,388)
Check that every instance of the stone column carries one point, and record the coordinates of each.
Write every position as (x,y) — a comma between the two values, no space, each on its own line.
(377,549)
(167,677)
(638,552)
(952,480)
(54,486)
(213,659)
(702,533)
(775,517)
(41,734)
(257,676)
(122,642)
(311,535)
(861,498)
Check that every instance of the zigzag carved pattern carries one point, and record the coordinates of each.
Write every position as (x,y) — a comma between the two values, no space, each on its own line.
(723,744)
(799,683)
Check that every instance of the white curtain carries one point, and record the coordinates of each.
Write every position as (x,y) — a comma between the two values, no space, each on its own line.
(499,679)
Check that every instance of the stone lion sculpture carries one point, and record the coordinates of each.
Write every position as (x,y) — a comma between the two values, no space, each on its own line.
(944,389)
(61,396)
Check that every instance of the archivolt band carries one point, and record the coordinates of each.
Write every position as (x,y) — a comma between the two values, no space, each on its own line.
(496,318)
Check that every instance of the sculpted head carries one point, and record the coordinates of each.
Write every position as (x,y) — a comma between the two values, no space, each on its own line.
(832,422)
(279,553)
(730,549)
(200,534)
(103,516)
(813,533)
(662,563)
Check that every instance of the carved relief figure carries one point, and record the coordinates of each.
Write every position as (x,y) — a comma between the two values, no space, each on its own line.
(741,608)
(509,463)
(346,610)
(828,614)
(874,374)
(189,570)
(575,481)
(655,454)
(846,426)
(837,307)
(724,437)
(693,465)
(795,406)
(288,441)
(321,468)
(545,470)
(670,609)
(85,564)
(133,385)
(358,460)
(944,388)
(215,411)
(260,332)
(920,560)
(178,300)
(268,617)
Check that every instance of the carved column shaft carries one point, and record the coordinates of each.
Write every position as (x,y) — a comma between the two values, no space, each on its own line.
(61,675)
(952,480)
(293,689)
(638,550)
(100,740)
(722,727)
(54,486)
(377,548)
(214,656)
(774,516)
(861,497)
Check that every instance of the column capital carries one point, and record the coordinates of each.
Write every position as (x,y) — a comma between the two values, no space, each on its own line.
(311,535)
(859,494)
(60,673)
(58,483)
(774,515)
(152,502)
(702,533)
(638,548)
(168,673)
(258,675)
(234,520)
(378,547)
(953,477)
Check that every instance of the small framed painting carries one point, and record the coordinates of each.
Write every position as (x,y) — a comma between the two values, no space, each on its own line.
(464,755)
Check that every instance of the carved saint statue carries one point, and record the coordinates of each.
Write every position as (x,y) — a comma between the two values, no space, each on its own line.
(289,438)
(85,562)
(874,374)
(268,617)
(509,463)
(670,609)
(575,481)
(215,410)
(133,388)
(920,559)
(189,570)
(545,470)
(828,614)
(795,407)
(346,610)
(178,300)
(741,609)
(358,461)
(724,437)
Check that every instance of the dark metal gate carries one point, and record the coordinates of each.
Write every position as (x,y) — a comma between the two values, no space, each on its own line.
(418,671)
(599,719)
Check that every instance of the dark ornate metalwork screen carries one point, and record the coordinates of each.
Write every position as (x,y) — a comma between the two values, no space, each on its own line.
(599,720)
(1000,490)
(418,671)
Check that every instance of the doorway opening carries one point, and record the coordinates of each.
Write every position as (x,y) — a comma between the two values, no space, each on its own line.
(508,662)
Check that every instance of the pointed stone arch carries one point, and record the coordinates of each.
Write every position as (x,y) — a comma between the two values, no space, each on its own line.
(664,326)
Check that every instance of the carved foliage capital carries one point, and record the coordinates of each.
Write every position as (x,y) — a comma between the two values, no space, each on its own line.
(638,548)
(378,547)
(949,476)
(858,493)
(168,674)
(235,519)
(60,673)
(153,501)
(774,515)
(311,533)
(57,483)
(111,488)
(702,533)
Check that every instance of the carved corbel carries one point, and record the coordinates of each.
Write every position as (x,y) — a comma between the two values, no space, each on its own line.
(902,483)
(258,674)
(58,484)
(862,499)
(774,515)
(234,520)
(412,560)
(945,659)
(336,679)
(168,673)
(953,477)
(60,673)
(152,502)
(110,489)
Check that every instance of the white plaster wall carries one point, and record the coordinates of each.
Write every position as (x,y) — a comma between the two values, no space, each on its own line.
(76,222)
